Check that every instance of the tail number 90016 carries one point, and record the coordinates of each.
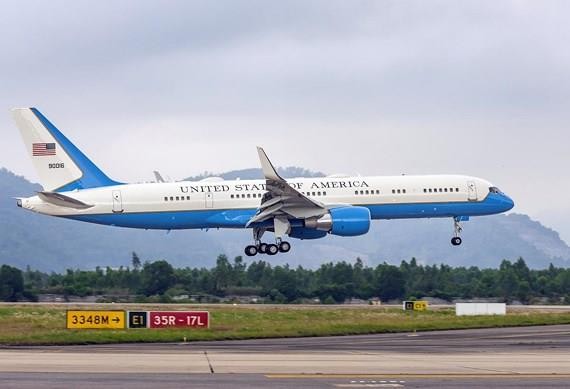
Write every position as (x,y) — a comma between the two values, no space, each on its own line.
(58,165)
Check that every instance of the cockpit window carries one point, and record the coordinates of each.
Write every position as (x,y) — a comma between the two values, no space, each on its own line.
(494,189)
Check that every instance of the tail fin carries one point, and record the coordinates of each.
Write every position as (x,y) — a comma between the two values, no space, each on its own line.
(60,165)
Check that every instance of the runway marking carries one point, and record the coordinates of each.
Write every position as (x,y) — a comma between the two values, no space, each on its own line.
(493,371)
(368,385)
(209,363)
(372,384)
(425,376)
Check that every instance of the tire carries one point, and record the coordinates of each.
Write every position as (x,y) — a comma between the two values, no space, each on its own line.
(284,247)
(456,241)
(250,250)
(272,249)
(262,248)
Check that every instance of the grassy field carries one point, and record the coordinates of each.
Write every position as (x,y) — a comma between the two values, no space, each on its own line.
(45,324)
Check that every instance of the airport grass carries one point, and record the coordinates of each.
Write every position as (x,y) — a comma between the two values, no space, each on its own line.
(45,324)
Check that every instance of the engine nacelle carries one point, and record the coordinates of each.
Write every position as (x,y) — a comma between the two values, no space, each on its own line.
(306,233)
(343,221)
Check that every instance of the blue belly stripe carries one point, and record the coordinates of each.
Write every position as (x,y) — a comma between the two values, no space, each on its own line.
(237,218)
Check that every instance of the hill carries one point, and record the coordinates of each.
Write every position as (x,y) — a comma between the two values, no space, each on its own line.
(53,244)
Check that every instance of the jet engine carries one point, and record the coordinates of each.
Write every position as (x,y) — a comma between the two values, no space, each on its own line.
(343,221)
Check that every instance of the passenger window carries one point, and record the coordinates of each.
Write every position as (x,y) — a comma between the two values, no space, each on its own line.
(166,199)
(171,198)
(318,193)
(440,190)
(231,196)
(187,197)
(403,191)
(398,191)
(425,190)
(324,193)
(393,191)
(457,189)
(377,191)
(355,192)
(361,192)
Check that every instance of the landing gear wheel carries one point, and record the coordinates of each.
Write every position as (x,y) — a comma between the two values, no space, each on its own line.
(456,241)
(250,250)
(272,249)
(262,248)
(284,247)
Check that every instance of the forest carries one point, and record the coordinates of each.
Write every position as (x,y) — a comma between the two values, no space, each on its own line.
(330,283)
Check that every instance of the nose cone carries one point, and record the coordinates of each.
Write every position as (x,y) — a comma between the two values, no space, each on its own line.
(507,203)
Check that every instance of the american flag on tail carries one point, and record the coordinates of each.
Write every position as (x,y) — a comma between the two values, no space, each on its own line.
(42,149)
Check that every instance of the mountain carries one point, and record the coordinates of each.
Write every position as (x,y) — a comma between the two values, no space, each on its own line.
(256,174)
(53,244)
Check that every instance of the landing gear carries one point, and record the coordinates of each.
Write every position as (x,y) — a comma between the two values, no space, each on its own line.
(262,248)
(284,247)
(281,228)
(456,240)
(265,248)
(250,250)
(272,249)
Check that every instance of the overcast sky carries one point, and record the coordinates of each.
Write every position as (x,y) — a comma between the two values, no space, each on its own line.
(368,87)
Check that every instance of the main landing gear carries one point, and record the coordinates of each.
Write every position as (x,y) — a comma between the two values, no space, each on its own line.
(267,248)
(280,246)
(456,240)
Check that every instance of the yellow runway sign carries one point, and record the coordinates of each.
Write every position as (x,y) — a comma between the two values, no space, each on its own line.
(96,319)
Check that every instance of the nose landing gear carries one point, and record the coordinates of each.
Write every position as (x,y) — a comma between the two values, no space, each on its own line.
(456,240)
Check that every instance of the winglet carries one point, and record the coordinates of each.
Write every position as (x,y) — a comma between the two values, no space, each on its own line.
(268,170)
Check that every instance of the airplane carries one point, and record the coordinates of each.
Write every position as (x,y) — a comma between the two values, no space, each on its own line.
(302,208)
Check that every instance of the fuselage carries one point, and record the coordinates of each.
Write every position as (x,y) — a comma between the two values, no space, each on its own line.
(216,203)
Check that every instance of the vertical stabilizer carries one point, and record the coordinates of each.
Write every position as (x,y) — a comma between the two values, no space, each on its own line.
(60,165)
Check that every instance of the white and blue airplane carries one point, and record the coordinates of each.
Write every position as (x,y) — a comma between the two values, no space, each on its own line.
(303,208)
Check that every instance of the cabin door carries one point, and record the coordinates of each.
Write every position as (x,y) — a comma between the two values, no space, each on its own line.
(471,191)
(209,199)
(117,201)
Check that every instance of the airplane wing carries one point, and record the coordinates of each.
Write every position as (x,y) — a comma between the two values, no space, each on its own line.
(281,199)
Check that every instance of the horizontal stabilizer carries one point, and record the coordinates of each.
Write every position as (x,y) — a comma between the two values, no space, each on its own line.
(62,200)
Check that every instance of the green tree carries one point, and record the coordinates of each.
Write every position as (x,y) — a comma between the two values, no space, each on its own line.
(136,261)
(11,283)
(222,273)
(157,278)
(390,282)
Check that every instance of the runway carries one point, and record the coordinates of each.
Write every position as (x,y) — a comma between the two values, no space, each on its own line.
(503,357)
